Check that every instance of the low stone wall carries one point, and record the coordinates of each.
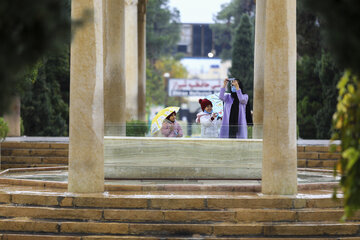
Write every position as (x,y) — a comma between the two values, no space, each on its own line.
(21,154)
(184,158)
(317,157)
(33,154)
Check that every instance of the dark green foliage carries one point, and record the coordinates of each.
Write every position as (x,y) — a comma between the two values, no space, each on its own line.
(28,30)
(329,75)
(136,128)
(43,109)
(162,29)
(226,23)
(243,55)
(316,78)
(4,129)
(308,96)
(162,34)
(309,39)
(341,28)
(316,95)
(155,87)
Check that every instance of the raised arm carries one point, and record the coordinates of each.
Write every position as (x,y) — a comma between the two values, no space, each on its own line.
(222,91)
(243,98)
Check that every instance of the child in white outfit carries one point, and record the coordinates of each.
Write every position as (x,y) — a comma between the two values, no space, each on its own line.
(210,122)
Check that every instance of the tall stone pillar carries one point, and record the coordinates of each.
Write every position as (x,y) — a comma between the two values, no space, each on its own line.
(259,69)
(86,148)
(114,76)
(279,173)
(142,59)
(13,119)
(131,59)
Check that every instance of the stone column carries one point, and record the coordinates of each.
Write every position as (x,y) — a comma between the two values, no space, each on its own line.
(114,76)
(259,68)
(13,119)
(142,59)
(86,148)
(131,59)
(279,173)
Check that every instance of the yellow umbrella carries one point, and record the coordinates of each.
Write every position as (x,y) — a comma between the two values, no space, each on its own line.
(160,117)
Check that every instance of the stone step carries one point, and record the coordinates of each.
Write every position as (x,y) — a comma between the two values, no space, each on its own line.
(34,152)
(28,160)
(313,163)
(34,145)
(25,165)
(9,236)
(308,229)
(172,202)
(176,216)
(123,215)
(183,170)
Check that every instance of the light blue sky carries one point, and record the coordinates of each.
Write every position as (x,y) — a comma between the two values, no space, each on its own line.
(197,11)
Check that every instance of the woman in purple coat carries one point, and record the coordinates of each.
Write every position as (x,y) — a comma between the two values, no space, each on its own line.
(234,123)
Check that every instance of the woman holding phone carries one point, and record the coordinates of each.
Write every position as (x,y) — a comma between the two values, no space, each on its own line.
(234,123)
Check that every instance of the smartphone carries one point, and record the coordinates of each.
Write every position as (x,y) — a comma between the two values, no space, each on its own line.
(230,80)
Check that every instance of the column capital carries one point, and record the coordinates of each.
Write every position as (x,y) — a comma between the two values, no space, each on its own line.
(131,2)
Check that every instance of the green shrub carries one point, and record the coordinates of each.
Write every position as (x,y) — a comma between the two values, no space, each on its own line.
(250,132)
(346,126)
(4,129)
(22,129)
(136,128)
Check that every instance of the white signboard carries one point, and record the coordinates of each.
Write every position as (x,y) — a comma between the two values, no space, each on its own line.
(193,87)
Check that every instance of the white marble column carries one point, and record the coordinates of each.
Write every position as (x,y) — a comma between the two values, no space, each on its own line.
(86,148)
(142,59)
(114,76)
(131,59)
(13,118)
(279,173)
(259,69)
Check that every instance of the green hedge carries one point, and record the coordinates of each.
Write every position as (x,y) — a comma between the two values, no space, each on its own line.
(4,129)
(136,128)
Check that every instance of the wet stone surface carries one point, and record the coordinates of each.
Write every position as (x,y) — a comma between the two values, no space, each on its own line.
(61,176)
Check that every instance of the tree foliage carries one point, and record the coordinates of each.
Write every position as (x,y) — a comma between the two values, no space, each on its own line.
(342,30)
(162,33)
(28,30)
(162,29)
(226,23)
(44,108)
(4,129)
(347,129)
(309,39)
(243,55)
(316,77)
(329,75)
(308,96)
(155,87)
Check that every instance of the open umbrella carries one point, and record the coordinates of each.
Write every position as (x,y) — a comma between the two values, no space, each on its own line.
(160,117)
(217,104)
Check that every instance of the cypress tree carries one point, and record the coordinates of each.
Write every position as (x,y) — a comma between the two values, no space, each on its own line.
(243,55)
(43,110)
(329,75)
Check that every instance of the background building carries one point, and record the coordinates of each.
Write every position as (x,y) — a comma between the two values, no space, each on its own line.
(197,40)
